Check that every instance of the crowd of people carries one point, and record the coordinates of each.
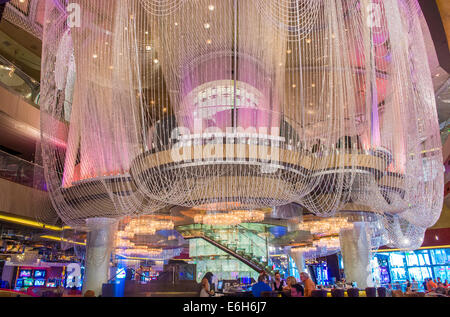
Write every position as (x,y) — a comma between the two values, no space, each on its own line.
(288,288)
(430,285)
(264,287)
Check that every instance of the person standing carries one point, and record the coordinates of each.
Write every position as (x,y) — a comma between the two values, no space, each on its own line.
(414,285)
(408,286)
(431,285)
(278,283)
(309,285)
(205,291)
(424,284)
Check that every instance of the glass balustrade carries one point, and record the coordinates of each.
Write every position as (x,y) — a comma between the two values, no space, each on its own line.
(22,172)
(18,82)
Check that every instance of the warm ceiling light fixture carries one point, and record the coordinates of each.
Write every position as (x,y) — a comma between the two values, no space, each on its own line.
(236,130)
(249,215)
(140,251)
(218,219)
(326,226)
(303,249)
(146,226)
(328,242)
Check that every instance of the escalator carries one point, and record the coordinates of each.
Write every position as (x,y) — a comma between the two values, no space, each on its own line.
(239,253)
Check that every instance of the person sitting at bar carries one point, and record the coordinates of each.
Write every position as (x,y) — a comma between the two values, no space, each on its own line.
(293,289)
(261,286)
(308,284)
(431,285)
(278,284)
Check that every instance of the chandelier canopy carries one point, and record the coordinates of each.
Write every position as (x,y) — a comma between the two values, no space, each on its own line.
(328,104)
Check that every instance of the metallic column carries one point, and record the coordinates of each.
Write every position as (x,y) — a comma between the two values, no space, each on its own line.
(98,253)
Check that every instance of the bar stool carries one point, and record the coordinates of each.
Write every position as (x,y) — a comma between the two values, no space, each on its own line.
(319,293)
(371,292)
(337,292)
(381,291)
(353,292)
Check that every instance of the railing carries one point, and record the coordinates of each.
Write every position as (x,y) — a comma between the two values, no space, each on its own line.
(21,171)
(258,245)
(16,81)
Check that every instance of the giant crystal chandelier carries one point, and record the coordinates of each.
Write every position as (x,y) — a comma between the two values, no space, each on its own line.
(255,103)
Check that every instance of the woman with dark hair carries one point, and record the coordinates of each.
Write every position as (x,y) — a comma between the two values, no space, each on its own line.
(205,290)
(278,283)
(209,277)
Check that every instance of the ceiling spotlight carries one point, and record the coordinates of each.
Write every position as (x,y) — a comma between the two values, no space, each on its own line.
(211,7)
(308,41)
(208,42)
(94,56)
(148,48)
(206,25)
(313,85)
(156,61)
(289,51)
